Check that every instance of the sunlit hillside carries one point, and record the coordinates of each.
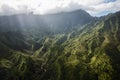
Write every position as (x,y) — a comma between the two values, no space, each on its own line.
(62,46)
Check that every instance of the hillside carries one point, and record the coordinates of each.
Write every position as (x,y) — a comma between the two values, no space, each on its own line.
(59,22)
(89,51)
(21,31)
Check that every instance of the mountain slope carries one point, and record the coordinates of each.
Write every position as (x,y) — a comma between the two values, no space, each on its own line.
(88,52)
(91,54)
(22,31)
(58,22)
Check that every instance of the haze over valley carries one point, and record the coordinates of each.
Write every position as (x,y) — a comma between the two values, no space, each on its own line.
(73,43)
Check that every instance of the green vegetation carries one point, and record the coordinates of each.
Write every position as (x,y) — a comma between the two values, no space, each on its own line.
(89,52)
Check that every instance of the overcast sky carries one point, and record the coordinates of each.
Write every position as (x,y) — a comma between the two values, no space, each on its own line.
(94,7)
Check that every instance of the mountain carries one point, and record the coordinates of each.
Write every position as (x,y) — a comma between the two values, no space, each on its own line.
(59,22)
(88,50)
(21,31)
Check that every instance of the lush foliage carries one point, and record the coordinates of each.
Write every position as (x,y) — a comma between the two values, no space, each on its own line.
(87,52)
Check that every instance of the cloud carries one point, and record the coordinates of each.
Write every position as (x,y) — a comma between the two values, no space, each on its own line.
(6,9)
(105,7)
(94,7)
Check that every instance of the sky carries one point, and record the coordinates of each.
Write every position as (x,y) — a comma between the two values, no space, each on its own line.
(93,7)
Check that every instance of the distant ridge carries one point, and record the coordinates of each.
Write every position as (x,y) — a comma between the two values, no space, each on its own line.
(59,21)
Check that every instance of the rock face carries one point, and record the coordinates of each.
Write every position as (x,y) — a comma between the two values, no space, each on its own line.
(63,46)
